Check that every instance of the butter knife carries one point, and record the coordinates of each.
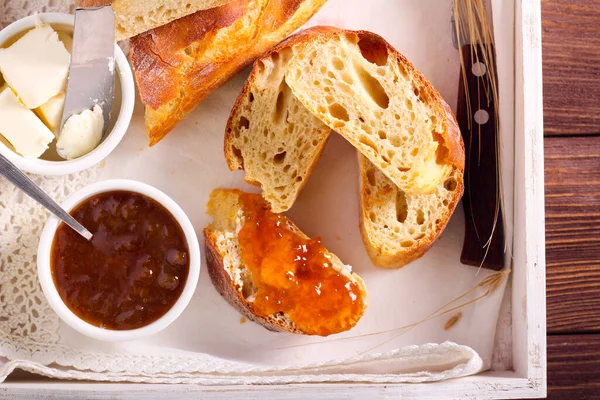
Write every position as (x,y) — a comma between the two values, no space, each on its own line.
(484,243)
(92,70)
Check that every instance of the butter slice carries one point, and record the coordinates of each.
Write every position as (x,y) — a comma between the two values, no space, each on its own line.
(51,112)
(36,66)
(81,134)
(20,126)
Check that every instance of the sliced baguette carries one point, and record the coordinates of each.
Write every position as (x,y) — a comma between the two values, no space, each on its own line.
(361,87)
(178,65)
(133,17)
(234,281)
(270,134)
(398,228)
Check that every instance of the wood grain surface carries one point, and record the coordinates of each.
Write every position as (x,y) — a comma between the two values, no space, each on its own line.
(571,54)
(573,233)
(573,367)
(571,51)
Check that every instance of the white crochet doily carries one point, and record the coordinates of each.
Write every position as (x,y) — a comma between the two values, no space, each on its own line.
(29,328)
(30,336)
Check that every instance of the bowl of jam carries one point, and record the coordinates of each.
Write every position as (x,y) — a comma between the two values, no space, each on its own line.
(137,273)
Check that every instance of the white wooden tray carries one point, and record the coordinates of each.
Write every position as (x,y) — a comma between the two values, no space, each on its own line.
(519,358)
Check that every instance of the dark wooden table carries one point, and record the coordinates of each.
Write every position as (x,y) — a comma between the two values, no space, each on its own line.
(571,45)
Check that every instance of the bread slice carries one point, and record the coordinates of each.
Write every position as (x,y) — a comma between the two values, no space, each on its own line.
(178,65)
(236,282)
(271,135)
(133,17)
(361,87)
(396,227)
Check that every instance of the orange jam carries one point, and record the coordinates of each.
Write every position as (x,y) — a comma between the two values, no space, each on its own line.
(294,275)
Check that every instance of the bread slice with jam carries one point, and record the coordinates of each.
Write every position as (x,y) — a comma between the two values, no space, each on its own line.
(265,267)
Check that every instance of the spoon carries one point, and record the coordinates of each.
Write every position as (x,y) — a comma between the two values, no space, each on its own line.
(22,181)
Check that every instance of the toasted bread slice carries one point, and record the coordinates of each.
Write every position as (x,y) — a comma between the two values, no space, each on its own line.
(178,65)
(361,87)
(270,134)
(273,274)
(396,227)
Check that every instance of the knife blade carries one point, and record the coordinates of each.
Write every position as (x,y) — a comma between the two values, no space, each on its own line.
(92,70)
(484,242)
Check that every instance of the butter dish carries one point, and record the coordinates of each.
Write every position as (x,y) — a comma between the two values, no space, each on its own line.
(49,109)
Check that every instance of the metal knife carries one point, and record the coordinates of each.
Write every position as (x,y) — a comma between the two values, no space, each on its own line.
(484,244)
(92,70)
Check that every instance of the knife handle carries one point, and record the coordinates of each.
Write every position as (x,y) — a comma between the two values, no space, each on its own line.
(481,167)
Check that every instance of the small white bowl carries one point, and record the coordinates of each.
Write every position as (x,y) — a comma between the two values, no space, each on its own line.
(119,122)
(49,288)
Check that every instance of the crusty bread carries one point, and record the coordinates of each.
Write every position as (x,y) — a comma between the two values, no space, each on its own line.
(178,65)
(270,134)
(361,87)
(234,281)
(398,228)
(133,17)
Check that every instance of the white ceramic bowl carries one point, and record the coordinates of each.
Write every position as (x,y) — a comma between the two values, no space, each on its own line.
(49,288)
(119,122)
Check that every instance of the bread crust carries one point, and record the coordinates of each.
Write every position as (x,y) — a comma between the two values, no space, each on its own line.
(178,65)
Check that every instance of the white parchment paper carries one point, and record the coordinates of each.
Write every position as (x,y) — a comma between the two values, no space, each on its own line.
(189,163)
(409,309)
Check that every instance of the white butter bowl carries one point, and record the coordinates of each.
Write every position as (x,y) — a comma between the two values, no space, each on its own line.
(45,268)
(119,122)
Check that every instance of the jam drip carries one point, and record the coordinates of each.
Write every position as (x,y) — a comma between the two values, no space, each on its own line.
(295,275)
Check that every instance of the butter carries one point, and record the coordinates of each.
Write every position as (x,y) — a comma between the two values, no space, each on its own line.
(51,112)
(81,133)
(20,126)
(36,66)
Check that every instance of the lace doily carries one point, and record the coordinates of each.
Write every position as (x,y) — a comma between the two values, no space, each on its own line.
(26,317)
(29,328)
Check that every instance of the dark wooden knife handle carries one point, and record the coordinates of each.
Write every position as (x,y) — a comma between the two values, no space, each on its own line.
(481,168)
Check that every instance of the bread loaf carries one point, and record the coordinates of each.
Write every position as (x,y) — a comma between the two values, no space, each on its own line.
(334,304)
(398,228)
(178,65)
(358,85)
(270,134)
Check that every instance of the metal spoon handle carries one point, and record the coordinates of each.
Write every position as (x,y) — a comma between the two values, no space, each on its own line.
(22,181)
